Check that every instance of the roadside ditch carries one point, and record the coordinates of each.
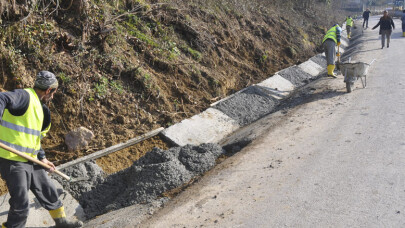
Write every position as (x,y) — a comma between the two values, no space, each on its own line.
(127,178)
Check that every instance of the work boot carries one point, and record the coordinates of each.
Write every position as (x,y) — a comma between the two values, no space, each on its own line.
(331,68)
(59,217)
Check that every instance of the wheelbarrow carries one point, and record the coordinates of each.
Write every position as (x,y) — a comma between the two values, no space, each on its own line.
(354,71)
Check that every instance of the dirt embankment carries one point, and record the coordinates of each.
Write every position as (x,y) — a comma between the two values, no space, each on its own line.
(127,67)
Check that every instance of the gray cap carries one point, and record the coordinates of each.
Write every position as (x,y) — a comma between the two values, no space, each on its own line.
(45,80)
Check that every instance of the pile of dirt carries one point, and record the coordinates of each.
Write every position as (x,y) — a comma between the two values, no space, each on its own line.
(147,179)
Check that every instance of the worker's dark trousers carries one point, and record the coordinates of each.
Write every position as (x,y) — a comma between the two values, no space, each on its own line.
(21,177)
(365,22)
(329,46)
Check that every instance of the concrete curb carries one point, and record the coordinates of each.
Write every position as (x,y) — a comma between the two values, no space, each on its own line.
(206,127)
(212,126)
(280,86)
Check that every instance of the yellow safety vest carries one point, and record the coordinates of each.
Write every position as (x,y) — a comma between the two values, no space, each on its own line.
(331,34)
(349,21)
(23,133)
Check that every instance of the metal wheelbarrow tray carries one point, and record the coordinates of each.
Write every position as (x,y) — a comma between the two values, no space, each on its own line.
(354,71)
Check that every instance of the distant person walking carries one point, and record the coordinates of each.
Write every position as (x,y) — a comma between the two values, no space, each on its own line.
(329,42)
(386,25)
(349,25)
(403,23)
(366,15)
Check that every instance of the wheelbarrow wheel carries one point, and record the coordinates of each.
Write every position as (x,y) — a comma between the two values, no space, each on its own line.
(349,86)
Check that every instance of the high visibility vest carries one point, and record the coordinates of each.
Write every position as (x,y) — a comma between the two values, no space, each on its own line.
(23,133)
(349,21)
(331,34)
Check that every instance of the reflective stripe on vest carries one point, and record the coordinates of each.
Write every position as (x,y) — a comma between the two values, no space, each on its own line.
(330,34)
(23,133)
(20,148)
(349,22)
(44,132)
(20,128)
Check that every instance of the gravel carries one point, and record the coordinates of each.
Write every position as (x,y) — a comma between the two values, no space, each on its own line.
(296,76)
(321,60)
(249,105)
(144,182)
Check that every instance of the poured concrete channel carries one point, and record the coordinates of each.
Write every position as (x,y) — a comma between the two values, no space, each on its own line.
(144,182)
(148,183)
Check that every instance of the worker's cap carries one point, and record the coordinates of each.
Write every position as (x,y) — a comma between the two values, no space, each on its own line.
(45,80)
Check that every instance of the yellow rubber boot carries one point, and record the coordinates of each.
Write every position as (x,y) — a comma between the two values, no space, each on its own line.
(59,217)
(3,225)
(403,34)
(331,68)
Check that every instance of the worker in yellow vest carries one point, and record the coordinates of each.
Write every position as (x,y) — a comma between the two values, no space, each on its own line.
(24,120)
(329,42)
(349,25)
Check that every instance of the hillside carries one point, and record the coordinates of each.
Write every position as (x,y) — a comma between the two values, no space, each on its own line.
(127,67)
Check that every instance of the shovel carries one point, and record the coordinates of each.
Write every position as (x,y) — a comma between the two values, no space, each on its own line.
(338,58)
(34,160)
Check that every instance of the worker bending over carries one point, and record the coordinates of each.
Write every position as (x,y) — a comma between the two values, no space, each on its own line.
(24,120)
(329,42)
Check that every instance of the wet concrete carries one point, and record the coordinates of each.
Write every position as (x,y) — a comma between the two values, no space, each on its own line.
(250,105)
(144,182)
(296,76)
(319,59)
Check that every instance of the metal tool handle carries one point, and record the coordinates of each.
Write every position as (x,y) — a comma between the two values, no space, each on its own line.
(33,160)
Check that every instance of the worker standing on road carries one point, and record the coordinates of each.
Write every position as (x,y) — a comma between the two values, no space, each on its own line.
(329,42)
(403,23)
(366,15)
(349,25)
(24,120)
(386,25)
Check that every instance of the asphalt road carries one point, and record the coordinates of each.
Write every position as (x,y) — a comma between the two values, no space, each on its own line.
(332,159)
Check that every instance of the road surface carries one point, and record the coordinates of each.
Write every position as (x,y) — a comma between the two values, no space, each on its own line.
(332,159)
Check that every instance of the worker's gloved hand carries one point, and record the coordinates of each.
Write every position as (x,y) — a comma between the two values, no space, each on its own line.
(338,43)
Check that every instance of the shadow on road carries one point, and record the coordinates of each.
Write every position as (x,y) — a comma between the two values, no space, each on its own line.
(307,96)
